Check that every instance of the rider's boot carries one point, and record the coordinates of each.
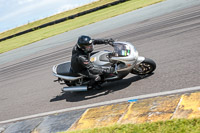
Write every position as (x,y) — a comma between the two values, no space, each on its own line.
(97,87)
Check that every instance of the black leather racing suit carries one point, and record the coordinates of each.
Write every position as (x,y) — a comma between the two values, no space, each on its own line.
(80,63)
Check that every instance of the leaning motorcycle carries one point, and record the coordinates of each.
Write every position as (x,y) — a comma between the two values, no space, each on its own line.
(124,58)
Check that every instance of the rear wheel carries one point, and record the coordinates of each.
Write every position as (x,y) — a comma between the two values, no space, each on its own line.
(69,83)
(145,67)
(79,82)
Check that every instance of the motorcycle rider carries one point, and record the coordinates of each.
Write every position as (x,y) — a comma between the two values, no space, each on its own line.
(80,61)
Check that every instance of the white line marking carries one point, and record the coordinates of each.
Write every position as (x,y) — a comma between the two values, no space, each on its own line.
(176,107)
(104,103)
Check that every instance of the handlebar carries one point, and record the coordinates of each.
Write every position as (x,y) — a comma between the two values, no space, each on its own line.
(109,41)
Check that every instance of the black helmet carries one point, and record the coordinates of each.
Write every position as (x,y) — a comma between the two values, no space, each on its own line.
(85,44)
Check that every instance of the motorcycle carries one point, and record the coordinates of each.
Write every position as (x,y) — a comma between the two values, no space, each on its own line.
(124,58)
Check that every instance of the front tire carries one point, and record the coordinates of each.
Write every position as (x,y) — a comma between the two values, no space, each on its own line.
(145,67)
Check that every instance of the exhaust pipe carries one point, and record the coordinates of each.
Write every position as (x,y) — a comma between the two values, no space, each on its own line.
(74,88)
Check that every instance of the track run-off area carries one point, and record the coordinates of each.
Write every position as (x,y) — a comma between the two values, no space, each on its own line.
(171,40)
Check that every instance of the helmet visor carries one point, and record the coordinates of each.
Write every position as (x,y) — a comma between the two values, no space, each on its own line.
(89,48)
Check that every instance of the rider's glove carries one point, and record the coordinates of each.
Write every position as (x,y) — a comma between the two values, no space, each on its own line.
(109,41)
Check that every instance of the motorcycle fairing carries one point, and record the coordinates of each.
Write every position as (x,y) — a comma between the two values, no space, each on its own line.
(101,58)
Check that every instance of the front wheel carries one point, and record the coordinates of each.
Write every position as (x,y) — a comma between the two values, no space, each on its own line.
(145,67)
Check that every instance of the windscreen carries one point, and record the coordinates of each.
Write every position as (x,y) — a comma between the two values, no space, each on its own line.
(121,50)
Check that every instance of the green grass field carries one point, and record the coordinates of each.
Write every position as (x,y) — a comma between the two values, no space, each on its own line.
(171,126)
(49,31)
(54,17)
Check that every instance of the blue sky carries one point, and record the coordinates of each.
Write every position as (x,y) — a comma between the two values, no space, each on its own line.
(14,13)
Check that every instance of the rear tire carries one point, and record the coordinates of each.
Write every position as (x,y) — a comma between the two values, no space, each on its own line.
(69,83)
(145,67)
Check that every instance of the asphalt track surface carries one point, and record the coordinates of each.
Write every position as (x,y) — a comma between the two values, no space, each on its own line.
(171,40)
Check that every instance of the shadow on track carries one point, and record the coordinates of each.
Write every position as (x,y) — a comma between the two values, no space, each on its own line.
(106,89)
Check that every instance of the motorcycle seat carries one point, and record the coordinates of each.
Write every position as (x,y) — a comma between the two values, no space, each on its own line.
(65,69)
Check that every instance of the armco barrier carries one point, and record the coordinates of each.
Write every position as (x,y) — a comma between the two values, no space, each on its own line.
(63,19)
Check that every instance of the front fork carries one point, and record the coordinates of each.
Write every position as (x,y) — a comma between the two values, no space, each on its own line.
(139,60)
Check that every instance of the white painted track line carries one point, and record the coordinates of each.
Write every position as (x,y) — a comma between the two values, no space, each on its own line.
(191,89)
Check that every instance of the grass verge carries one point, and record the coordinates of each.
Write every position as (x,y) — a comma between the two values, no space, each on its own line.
(170,126)
(43,33)
(54,17)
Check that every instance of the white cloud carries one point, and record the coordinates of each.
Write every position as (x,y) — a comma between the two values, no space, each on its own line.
(73,4)
(66,7)
(18,12)
(33,6)
(20,2)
